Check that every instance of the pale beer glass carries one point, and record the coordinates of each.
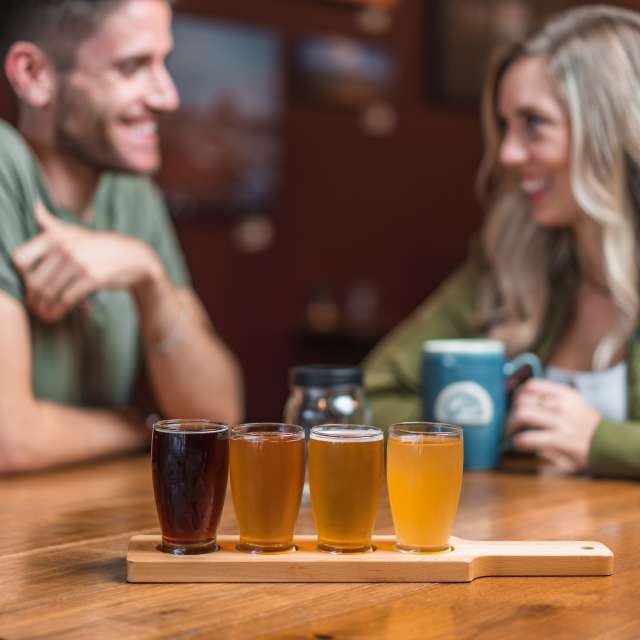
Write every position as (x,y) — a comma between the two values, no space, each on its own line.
(267,476)
(424,479)
(346,472)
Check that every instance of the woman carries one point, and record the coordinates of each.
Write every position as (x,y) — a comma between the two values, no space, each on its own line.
(558,270)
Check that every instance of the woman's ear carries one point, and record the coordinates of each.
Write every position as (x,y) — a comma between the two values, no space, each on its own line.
(31,74)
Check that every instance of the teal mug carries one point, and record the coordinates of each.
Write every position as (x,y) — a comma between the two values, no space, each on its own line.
(467,383)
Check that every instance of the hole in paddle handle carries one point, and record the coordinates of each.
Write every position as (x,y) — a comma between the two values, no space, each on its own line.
(588,548)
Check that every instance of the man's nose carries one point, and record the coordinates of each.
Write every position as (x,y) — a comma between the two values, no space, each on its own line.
(163,95)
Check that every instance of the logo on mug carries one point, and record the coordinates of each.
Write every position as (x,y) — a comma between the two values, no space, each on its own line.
(464,403)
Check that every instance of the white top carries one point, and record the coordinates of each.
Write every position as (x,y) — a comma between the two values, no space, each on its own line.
(605,391)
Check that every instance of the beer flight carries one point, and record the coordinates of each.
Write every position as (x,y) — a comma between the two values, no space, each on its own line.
(192,459)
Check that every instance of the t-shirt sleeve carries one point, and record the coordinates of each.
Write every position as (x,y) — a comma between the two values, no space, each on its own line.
(10,281)
(162,238)
(17,195)
(392,370)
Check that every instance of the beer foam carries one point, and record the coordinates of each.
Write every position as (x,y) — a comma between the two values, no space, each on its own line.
(191,429)
(271,436)
(426,438)
(347,435)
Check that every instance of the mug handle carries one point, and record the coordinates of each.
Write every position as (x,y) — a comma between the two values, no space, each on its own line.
(523,360)
(512,367)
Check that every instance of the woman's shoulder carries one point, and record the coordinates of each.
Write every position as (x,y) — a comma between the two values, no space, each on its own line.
(465,281)
(451,309)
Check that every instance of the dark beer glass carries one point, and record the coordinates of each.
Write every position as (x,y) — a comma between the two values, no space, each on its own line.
(190,465)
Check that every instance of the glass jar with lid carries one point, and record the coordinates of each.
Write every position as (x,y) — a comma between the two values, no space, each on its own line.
(322,394)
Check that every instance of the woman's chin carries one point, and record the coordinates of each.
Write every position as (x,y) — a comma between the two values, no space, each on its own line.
(550,219)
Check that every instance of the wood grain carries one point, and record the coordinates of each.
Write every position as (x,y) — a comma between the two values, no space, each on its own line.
(466,561)
(65,538)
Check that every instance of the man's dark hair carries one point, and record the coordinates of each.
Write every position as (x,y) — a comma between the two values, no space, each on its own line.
(57,26)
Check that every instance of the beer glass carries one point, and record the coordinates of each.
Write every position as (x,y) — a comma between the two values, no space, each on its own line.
(346,469)
(267,475)
(424,479)
(190,466)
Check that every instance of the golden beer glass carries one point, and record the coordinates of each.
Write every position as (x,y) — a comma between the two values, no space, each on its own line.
(346,471)
(267,476)
(424,479)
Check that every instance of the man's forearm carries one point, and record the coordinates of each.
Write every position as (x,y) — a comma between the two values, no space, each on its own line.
(45,434)
(192,373)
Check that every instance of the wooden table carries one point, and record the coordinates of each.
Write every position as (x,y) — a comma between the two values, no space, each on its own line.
(65,537)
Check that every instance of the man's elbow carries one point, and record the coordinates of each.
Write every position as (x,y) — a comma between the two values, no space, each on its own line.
(16,457)
(13,461)
(20,449)
(233,409)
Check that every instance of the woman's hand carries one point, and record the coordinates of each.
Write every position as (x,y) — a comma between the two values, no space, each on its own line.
(554,421)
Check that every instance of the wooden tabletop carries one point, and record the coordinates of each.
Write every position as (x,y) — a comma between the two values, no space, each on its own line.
(65,534)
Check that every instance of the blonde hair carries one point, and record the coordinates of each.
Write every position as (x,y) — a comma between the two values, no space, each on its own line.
(593,56)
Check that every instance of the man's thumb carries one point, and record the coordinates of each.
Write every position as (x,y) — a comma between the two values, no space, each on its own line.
(45,218)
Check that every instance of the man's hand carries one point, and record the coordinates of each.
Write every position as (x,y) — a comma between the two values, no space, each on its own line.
(554,421)
(65,263)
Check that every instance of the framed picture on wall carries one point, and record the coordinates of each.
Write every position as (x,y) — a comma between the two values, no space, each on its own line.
(463,34)
(221,150)
(342,72)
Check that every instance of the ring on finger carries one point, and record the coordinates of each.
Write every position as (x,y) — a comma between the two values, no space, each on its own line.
(544,400)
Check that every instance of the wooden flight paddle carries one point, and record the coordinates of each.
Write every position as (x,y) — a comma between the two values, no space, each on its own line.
(468,560)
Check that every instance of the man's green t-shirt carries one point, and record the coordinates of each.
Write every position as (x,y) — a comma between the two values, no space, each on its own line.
(90,358)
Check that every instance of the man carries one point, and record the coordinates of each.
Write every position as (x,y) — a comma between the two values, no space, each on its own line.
(92,284)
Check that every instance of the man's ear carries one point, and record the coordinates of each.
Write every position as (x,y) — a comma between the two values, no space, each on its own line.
(31,74)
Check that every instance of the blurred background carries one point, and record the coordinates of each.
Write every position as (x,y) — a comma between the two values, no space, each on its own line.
(320,171)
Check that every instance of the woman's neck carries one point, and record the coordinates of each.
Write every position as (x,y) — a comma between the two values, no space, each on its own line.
(588,244)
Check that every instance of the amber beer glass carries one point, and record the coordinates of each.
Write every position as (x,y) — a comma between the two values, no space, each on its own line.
(267,476)
(346,470)
(190,466)
(424,479)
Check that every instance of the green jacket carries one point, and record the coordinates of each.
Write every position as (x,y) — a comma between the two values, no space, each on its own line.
(392,370)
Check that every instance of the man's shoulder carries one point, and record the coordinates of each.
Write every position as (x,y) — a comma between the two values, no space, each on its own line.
(9,133)
(19,187)
(15,155)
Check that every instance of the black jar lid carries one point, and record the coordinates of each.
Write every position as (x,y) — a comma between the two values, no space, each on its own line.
(325,375)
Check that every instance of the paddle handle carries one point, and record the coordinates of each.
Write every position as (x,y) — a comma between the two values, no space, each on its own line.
(546,558)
